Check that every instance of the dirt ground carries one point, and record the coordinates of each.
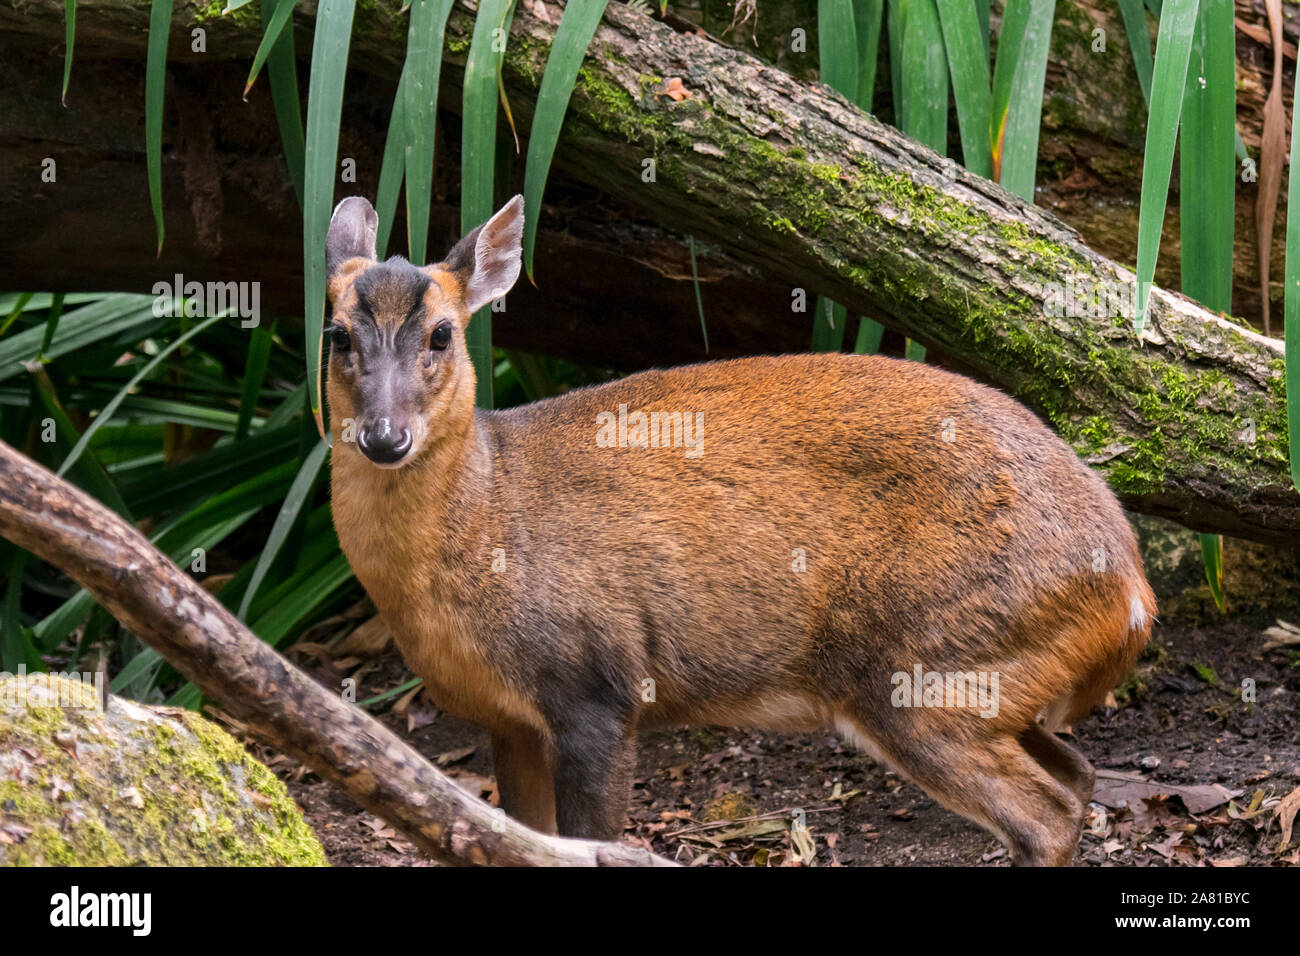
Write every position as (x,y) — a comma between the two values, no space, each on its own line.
(1218,768)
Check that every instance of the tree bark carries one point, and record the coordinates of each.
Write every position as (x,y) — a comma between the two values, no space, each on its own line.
(205,642)
(1187,421)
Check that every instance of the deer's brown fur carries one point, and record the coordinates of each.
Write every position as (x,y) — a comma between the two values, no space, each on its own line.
(848,518)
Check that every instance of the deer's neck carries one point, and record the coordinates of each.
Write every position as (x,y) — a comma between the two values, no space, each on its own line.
(409,531)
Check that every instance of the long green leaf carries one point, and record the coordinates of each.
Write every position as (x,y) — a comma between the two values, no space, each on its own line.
(1018,79)
(1139,43)
(329,64)
(866,29)
(699,296)
(51,326)
(478,161)
(106,413)
(572,37)
(1207,159)
(392,170)
(870,332)
(155,81)
(925,76)
(968,64)
(282,67)
(259,355)
(895,15)
(281,13)
(1173,49)
(92,324)
(299,493)
(838,60)
(70,35)
(828,326)
(419,88)
(837,46)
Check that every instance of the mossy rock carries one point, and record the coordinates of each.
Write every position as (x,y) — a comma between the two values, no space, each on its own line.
(134,785)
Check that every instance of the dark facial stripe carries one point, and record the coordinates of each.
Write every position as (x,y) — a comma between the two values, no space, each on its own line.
(391,295)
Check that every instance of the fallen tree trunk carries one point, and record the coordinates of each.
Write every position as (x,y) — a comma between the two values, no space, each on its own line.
(205,642)
(1187,422)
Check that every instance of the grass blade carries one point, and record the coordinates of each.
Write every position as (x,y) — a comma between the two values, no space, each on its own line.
(925,76)
(572,37)
(155,82)
(92,324)
(1018,92)
(282,67)
(259,355)
(70,31)
(1139,43)
(968,64)
(1173,49)
(391,171)
(828,326)
(837,52)
(837,46)
(299,493)
(894,17)
(106,413)
(478,161)
(51,325)
(870,332)
(419,91)
(866,28)
(329,64)
(699,298)
(281,11)
(1207,159)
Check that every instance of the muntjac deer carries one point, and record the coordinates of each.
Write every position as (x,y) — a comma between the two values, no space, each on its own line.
(791,543)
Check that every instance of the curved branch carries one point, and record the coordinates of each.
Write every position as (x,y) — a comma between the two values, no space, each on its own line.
(205,642)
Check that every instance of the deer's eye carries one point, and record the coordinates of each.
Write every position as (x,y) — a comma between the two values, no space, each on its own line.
(340,339)
(441,337)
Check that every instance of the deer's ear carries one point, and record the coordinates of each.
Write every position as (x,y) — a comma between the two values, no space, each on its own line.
(487,260)
(351,234)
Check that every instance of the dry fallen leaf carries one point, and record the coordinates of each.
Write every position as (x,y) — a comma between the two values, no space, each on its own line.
(1283,634)
(1286,811)
(369,639)
(1117,789)
(454,756)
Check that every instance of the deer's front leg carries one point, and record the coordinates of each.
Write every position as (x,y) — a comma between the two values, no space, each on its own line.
(594,758)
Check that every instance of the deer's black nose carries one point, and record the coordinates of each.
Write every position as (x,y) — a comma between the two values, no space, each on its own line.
(383,443)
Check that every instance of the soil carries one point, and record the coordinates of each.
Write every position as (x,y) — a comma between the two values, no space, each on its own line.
(727,797)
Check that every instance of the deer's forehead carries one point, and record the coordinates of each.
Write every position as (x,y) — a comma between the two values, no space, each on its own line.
(390,292)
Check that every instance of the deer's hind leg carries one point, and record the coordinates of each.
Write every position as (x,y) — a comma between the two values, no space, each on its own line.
(983,773)
(1060,759)
(525,782)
